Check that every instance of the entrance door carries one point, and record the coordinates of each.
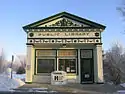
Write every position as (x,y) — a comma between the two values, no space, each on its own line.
(86,71)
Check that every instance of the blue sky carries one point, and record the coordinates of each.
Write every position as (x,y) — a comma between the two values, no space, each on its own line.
(14,14)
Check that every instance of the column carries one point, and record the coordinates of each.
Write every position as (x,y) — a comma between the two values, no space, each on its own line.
(98,64)
(79,67)
(29,64)
(57,61)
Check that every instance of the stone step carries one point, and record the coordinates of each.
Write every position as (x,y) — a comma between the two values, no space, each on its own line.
(41,79)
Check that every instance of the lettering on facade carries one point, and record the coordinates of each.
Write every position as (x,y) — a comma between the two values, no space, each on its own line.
(63,34)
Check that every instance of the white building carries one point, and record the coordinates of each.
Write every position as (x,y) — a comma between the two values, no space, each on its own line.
(64,42)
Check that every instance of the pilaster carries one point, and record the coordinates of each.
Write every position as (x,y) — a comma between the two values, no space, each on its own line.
(29,64)
(98,64)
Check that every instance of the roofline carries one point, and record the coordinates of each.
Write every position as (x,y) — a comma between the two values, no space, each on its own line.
(67,15)
(62,27)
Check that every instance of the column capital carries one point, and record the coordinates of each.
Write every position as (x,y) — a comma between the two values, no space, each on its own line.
(98,44)
(29,44)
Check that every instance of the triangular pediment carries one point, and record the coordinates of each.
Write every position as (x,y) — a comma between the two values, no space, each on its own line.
(64,19)
(63,22)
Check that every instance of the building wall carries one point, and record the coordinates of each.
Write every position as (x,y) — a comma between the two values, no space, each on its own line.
(97,57)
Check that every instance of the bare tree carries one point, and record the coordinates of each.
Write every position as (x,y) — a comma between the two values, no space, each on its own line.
(22,60)
(121,10)
(2,62)
(115,61)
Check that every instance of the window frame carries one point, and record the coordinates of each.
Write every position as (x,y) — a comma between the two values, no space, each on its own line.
(66,65)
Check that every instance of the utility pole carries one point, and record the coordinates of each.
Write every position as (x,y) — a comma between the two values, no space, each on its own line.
(12,66)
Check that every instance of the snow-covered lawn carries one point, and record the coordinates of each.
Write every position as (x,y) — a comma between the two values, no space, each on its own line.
(6,83)
(19,76)
(123,84)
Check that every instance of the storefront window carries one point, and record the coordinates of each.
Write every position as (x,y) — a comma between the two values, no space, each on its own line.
(68,65)
(45,65)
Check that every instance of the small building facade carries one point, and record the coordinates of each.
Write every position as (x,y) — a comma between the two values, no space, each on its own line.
(64,42)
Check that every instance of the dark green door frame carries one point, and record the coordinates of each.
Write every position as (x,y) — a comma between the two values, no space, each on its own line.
(87,75)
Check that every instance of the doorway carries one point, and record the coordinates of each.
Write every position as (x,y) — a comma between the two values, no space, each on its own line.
(87,66)
(86,71)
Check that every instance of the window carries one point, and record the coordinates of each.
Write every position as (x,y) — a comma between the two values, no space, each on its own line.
(45,61)
(68,65)
(86,53)
(46,53)
(67,53)
(45,65)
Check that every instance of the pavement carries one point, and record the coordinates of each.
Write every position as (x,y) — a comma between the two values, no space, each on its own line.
(105,88)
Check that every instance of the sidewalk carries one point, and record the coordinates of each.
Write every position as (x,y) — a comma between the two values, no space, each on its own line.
(79,88)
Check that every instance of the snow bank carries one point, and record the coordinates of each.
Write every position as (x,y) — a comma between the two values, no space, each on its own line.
(14,75)
(19,76)
(123,84)
(6,83)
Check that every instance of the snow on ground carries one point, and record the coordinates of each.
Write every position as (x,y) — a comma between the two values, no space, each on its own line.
(14,75)
(6,83)
(19,76)
(123,84)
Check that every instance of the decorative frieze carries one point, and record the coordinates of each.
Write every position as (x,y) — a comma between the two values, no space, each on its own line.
(64,41)
(64,29)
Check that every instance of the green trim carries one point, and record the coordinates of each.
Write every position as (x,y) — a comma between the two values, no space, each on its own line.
(64,38)
(62,27)
(77,63)
(67,15)
(98,43)
(30,44)
(101,37)
(93,66)
(99,82)
(35,63)
(28,82)
(56,59)
(59,28)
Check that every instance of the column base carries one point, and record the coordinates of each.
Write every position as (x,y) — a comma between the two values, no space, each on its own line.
(99,82)
(28,82)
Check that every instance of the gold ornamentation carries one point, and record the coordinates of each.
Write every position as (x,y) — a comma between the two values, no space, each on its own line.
(64,22)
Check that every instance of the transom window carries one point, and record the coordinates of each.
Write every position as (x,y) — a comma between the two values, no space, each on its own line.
(67,52)
(46,53)
(86,53)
